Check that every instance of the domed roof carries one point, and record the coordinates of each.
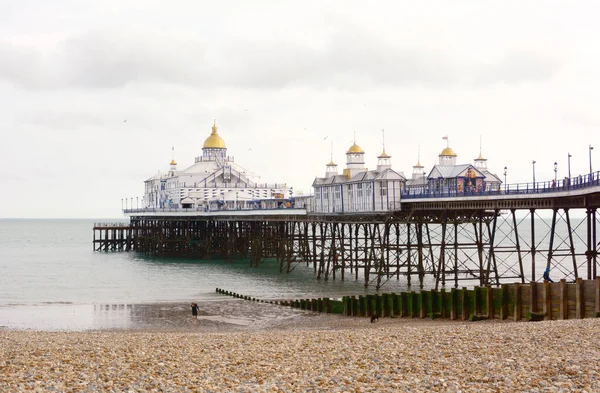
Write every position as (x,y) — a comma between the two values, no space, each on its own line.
(355,149)
(332,163)
(173,162)
(448,152)
(384,155)
(214,141)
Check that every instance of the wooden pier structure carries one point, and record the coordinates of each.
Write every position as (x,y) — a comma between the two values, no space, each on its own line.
(485,239)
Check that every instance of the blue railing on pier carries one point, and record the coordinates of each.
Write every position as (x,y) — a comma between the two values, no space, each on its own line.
(566,184)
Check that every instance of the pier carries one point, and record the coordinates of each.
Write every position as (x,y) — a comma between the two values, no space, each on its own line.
(480,238)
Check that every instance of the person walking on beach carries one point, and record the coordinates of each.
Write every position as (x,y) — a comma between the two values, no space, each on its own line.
(547,274)
(195,311)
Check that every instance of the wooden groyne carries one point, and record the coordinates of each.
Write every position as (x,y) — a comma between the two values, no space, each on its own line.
(531,302)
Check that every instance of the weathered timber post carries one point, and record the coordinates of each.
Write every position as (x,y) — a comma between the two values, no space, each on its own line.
(443,303)
(517,313)
(390,304)
(489,299)
(597,291)
(547,301)
(533,297)
(477,300)
(355,306)
(422,304)
(431,306)
(362,303)
(403,304)
(453,303)
(378,309)
(579,299)
(504,302)
(564,300)
(465,304)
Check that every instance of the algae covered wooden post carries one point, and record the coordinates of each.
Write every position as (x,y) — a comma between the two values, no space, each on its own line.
(453,303)
(504,302)
(489,298)
(465,304)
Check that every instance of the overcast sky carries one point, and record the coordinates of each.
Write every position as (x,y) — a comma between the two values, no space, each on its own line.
(283,80)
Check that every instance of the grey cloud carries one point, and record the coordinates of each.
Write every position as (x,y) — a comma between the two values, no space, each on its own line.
(350,58)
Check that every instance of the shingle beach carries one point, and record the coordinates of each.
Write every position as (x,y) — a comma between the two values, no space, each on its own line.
(321,354)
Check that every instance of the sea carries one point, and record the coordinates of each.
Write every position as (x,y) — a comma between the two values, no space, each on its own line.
(52,279)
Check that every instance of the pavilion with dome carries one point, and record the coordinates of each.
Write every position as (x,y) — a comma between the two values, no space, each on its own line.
(358,189)
(448,177)
(213,182)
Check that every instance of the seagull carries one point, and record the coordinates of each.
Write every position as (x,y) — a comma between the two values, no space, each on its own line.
(250,149)
(125,121)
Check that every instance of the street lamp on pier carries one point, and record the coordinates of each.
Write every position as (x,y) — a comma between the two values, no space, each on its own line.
(533,165)
(569,164)
(555,174)
(137,203)
(121,203)
(591,148)
(505,170)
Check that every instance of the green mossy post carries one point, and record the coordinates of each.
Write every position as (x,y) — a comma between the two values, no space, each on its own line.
(432,305)
(326,305)
(390,304)
(415,304)
(453,303)
(410,305)
(464,304)
(385,310)
(378,305)
(403,305)
(489,301)
(477,301)
(355,306)
(362,303)
(443,303)
(422,304)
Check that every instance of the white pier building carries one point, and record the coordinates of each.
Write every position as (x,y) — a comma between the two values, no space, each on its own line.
(214,182)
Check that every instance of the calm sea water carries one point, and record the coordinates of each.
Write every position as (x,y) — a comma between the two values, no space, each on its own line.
(52,262)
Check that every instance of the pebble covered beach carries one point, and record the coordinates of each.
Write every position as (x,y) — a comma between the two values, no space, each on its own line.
(322,353)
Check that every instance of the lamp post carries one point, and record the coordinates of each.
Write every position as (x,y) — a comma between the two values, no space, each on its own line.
(555,169)
(569,164)
(591,148)
(121,203)
(533,165)
(505,169)
(137,203)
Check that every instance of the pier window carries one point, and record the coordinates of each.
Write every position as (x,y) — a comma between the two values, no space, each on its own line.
(383,188)
(360,190)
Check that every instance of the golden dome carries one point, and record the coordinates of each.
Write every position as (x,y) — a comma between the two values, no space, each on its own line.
(448,152)
(355,149)
(331,163)
(214,141)
(480,158)
(173,162)
(384,155)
